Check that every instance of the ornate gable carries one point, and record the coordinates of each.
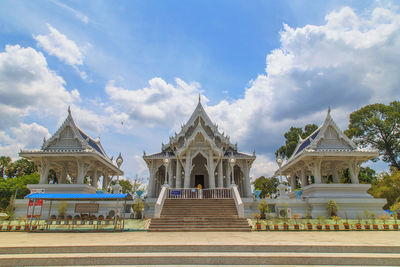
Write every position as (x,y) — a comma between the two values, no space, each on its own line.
(327,137)
(198,123)
(70,137)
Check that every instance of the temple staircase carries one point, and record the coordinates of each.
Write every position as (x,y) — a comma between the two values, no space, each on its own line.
(199,215)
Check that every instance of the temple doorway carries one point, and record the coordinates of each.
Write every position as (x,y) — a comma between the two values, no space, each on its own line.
(199,179)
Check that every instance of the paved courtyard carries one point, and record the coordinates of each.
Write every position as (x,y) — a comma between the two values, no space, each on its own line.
(15,239)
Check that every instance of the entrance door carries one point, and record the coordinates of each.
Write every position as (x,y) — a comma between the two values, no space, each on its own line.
(199,179)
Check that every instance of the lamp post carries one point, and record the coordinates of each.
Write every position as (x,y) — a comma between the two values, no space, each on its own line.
(166,161)
(279,161)
(232,161)
(281,186)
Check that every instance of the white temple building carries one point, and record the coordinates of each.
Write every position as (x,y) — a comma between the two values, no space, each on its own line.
(198,155)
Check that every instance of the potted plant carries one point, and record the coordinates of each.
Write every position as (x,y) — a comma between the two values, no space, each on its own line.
(295,217)
(62,209)
(366,217)
(373,218)
(336,219)
(26,224)
(18,226)
(346,222)
(9,226)
(319,225)
(138,208)
(384,218)
(358,224)
(308,217)
(395,213)
(276,222)
(263,208)
(34,225)
(256,217)
(332,208)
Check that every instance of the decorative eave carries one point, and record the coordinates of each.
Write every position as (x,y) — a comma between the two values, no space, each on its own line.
(89,145)
(70,153)
(309,155)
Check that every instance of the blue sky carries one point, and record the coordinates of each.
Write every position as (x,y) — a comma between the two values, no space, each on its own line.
(261,67)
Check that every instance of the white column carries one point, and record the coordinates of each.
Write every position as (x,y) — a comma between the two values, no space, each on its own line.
(316,170)
(82,170)
(44,171)
(94,178)
(335,174)
(228,174)
(152,178)
(187,170)
(354,170)
(170,176)
(293,181)
(246,180)
(178,174)
(220,175)
(211,169)
(63,174)
(303,177)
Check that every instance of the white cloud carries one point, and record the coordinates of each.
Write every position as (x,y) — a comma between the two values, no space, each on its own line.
(24,136)
(28,85)
(160,104)
(77,14)
(57,44)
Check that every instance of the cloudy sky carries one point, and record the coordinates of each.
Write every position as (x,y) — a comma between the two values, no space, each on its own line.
(132,70)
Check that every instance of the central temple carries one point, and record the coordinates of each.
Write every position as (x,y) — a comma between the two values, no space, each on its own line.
(199,155)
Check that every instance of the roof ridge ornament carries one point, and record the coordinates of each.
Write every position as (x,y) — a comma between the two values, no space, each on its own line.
(199,99)
(69,110)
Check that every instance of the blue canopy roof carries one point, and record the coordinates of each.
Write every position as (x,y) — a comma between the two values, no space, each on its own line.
(77,196)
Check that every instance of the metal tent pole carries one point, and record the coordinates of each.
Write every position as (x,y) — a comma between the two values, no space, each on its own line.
(32,213)
(48,216)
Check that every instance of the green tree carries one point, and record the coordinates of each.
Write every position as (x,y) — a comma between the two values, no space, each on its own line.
(126,186)
(378,126)
(18,184)
(366,176)
(266,185)
(387,187)
(21,167)
(4,163)
(292,139)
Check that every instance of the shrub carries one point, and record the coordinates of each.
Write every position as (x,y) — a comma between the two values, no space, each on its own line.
(138,207)
(263,207)
(332,208)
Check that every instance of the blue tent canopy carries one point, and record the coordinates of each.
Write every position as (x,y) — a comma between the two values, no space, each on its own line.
(77,196)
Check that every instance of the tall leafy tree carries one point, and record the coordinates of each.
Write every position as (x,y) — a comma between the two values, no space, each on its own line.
(21,167)
(387,187)
(266,185)
(292,139)
(8,187)
(4,163)
(378,126)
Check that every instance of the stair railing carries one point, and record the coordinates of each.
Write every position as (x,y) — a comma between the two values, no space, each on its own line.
(194,193)
(160,201)
(238,201)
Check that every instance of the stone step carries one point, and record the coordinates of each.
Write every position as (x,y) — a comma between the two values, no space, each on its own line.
(201,258)
(199,248)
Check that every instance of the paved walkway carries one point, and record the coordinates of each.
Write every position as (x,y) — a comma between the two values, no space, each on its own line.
(16,239)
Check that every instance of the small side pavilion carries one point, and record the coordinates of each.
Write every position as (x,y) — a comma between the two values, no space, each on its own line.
(78,160)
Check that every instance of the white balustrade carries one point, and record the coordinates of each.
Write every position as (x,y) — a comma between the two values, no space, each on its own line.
(194,193)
